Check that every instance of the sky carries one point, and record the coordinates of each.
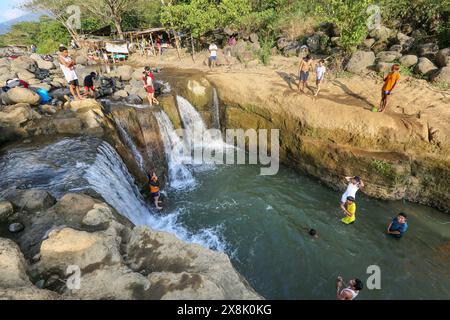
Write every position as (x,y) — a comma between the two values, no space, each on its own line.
(9,10)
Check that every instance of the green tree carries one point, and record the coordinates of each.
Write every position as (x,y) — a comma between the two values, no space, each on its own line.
(351,18)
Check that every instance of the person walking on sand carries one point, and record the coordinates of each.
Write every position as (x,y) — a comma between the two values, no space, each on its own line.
(67,65)
(349,208)
(148,79)
(354,184)
(390,81)
(320,74)
(304,67)
(154,189)
(398,226)
(212,55)
(350,291)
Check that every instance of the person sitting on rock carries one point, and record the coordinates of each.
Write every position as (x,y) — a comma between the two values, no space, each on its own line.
(349,208)
(390,82)
(154,189)
(89,88)
(67,65)
(398,226)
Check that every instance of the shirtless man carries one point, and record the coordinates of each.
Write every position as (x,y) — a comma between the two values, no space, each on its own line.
(305,66)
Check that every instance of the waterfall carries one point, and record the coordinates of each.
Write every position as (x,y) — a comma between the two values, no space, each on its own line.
(109,176)
(179,175)
(215,110)
(131,145)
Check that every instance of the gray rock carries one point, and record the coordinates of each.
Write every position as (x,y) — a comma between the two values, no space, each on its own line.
(121,93)
(282,43)
(443,57)
(21,95)
(360,61)
(125,72)
(388,56)
(428,50)
(425,66)
(43,64)
(134,99)
(16,227)
(396,47)
(31,199)
(409,60)
(368,43)
(313,42)
(442,76)
(405,41)
(383,67)
(254,38)
(81,60)
(383,33)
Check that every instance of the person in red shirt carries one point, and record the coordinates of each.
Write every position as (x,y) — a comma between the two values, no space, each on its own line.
(389,84)
(148,80)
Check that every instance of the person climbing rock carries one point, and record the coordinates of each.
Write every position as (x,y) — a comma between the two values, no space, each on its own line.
(354,184)
(68,68)
(398,226)
(350,291)
(154,189)
(390,81)
(349,208)
(89,89)
(148,79)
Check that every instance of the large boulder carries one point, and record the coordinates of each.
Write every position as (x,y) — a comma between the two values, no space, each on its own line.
(25,74)
(100,215)
(121,93)
(44,64)
(443,57)
(81,60)
(15,115)
(125,72)
(408,60)
(24,62)
(88,251)
(442,76)
(137,74)
(31,199)
(425,66)
(313,42)
(12,265)
(6,75)
(382,33)
(6,210)
(150,251)
(405,41)
(110,283)
(282,43)
(73,206)
(388,56)
(383,67)
(360,61)
(21,95)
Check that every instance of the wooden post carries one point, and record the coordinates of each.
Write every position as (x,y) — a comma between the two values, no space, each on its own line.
(152,43)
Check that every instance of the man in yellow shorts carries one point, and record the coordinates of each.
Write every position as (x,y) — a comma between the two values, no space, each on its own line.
(349,208)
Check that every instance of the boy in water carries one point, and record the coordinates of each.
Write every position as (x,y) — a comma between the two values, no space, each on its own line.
(390,82)
(349,208)
(398,226)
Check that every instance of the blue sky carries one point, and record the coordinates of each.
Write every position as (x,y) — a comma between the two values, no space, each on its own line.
(9,10)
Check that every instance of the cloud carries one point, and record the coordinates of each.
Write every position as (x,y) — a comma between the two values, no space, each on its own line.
(11,14)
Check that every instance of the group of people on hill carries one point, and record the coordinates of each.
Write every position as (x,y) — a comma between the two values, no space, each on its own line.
(306,63)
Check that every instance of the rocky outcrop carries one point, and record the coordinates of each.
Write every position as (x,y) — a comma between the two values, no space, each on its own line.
(425,66)
(114,259)
(21,95)
(31,200)
(442,76)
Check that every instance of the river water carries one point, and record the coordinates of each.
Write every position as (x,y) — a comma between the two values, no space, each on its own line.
(261,222)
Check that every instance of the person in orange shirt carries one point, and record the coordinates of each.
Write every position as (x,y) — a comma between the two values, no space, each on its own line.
(389,84)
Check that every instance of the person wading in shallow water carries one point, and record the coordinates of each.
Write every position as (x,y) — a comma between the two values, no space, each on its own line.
(349,208)
(154,189)
(350,292)
(398,226)
(354,184)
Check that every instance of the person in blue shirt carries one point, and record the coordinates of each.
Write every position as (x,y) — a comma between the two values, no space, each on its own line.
(398,226)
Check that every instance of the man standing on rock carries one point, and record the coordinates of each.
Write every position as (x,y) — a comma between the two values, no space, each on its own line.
(305,66)
(212,55)
(389,84)
(68,68)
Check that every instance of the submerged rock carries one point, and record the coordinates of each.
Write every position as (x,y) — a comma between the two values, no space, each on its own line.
(16,227)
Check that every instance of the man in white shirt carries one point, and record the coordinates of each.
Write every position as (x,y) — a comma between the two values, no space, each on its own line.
(320,74)
(212,54)
(68,68)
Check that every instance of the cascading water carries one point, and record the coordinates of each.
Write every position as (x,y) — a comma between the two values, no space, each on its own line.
(109,176)
(180,177)
(215,110)
(131,145)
